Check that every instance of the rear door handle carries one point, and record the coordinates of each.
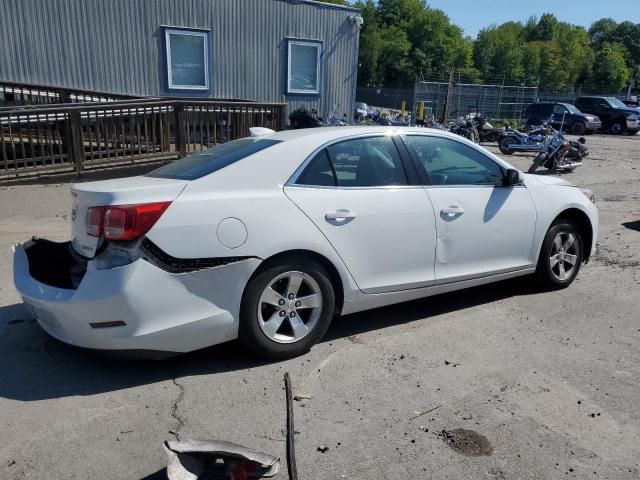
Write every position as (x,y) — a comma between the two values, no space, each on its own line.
(340,214)
(452,210)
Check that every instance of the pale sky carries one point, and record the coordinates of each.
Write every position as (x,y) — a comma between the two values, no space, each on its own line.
(473,15)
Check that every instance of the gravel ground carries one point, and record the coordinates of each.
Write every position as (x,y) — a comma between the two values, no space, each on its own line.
(520,384)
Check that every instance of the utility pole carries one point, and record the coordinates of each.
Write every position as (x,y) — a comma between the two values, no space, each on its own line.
(445,110)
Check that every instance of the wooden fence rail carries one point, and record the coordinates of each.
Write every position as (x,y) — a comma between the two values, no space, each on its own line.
(66,137)
(17,93)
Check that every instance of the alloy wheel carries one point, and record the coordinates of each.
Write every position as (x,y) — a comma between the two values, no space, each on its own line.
(289,307)
(564,256)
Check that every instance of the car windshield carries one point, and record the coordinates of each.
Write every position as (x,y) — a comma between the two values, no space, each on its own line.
(571,108)
(615,103)
(211,160)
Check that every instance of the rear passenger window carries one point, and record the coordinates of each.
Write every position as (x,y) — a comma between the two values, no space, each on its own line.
(318,172)
(361,162)
(367,162)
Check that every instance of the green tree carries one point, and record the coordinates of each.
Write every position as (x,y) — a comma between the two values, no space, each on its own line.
(498,50)
(547,28)
(601,31)
(610,69)
(370,45)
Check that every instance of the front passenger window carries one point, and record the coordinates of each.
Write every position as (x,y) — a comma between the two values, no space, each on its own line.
(449,162)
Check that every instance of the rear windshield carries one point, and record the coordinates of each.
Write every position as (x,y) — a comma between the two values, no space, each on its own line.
(211,160)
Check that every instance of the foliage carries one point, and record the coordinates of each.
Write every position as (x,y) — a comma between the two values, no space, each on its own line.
(610,69)
(406,40)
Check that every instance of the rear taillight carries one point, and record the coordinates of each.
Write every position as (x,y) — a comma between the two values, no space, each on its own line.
(124,222)
(95,217)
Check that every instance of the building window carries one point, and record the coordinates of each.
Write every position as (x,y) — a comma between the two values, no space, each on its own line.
(187,59)
(304,67)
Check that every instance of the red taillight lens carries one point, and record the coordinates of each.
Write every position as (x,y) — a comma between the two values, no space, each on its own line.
(95,217)
(124,222)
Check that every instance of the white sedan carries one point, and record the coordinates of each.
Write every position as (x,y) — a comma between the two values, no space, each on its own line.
(268,238)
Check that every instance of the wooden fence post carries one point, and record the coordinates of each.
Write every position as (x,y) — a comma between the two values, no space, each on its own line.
(178,118)
(72,143)
(76,148)
(283,113)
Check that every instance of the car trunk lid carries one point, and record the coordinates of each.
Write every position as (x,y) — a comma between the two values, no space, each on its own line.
(123,191)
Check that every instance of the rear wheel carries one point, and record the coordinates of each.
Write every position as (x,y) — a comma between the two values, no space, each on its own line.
(287,308)
(561,256)
(505,143)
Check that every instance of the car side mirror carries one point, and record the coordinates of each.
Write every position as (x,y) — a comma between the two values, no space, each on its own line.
(512,177)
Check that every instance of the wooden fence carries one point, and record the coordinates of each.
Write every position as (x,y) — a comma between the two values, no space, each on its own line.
(66,137)
(16,93)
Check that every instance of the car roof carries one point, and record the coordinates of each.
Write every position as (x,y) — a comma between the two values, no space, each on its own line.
(331,133)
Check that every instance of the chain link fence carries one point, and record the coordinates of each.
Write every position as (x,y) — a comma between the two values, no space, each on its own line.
(493,101)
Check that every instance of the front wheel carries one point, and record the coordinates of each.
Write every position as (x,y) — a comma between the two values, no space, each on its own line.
(287,308)
(616,128)
(561,256)
(537,162)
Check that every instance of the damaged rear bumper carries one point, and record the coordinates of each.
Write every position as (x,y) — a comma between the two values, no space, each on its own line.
(137,306)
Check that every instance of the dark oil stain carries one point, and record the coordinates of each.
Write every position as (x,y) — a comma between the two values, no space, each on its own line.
(466,442)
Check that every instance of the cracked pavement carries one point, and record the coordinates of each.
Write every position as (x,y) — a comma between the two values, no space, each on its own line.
(551,381)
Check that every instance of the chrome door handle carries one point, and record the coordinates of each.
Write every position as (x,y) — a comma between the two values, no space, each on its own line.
(452,210)
(340,214)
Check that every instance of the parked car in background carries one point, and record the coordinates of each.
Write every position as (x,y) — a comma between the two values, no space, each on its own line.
(268,238)
(632,101)
(562,115)
(361,111)
(616,116)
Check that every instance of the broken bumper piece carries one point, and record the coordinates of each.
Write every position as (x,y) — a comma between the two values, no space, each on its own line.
(197,459)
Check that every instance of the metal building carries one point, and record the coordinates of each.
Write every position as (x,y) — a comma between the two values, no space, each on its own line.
(304,50)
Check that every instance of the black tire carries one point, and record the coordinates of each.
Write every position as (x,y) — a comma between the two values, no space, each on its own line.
(617,128)
(537,162)
(250,331)
(546,274)
(504,143)
(578,128)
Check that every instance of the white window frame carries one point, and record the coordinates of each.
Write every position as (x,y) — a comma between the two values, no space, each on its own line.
(311,43)
(207,74)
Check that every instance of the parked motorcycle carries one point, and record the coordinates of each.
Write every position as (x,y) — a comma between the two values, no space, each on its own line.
(465,128)
(303,118)
(487,133)
(560,154)
(512,140)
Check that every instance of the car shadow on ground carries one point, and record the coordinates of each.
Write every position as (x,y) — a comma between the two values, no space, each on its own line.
(38,367)
(632,225)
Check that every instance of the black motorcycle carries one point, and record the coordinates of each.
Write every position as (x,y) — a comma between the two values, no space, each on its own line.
(465,128)
(303,118)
